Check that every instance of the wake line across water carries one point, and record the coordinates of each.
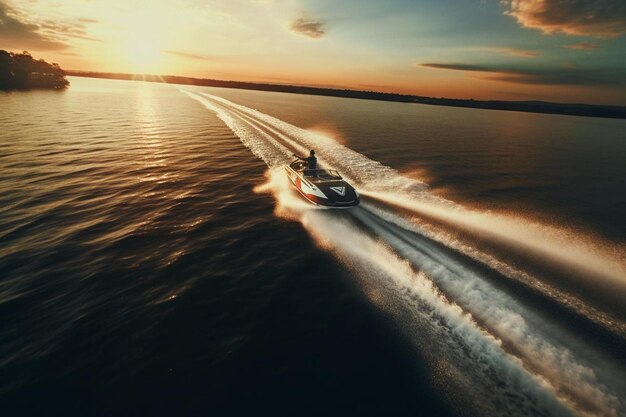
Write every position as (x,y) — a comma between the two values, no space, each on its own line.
(458,337)
(556,380)
(537,240)
(375,179)
(527,335)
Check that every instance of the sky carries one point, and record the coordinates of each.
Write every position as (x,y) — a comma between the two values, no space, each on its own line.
(555,50)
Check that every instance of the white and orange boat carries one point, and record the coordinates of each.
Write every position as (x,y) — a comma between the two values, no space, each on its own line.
(322,187)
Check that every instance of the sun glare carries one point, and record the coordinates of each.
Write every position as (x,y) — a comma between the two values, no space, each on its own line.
(144,55)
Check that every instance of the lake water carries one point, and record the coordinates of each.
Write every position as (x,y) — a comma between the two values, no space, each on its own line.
(154,261)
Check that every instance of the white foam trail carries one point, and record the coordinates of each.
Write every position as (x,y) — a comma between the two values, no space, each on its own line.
(374,260)
(507,271)
(374,179)
(354,166)
(259,143)
(543,347)
(544,240)
(569,379)
(602,259)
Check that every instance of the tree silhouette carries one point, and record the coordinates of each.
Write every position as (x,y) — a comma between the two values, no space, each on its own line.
(22,71)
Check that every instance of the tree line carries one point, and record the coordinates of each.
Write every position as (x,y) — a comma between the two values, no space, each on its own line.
(20,71)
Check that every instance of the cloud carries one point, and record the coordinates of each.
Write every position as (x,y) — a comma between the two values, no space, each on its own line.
(189,55)
(19,32)
(68,30)
(547,76)
(599,18)
(587,46)
(311,28)
(459,67)
(551,77)
(511,51)
(16,34)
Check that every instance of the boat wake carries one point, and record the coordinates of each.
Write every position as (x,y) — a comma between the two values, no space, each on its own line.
(476,292)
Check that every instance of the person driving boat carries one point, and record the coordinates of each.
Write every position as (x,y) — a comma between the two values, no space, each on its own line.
(311,160)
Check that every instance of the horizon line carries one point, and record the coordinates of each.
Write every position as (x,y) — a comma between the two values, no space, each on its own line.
(330,87)
(610,110)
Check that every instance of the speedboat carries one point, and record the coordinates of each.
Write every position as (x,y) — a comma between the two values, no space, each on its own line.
(322,187)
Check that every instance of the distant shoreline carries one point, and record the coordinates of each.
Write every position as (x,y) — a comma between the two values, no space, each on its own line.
(587,110)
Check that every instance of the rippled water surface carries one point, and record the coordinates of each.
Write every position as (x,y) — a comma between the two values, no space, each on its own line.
(154,262)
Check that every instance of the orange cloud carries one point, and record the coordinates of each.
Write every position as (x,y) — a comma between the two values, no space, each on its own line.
(189,55)
(587,46)
(599,18)
(511,51)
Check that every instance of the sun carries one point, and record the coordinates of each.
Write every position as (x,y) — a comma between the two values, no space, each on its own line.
(143,54)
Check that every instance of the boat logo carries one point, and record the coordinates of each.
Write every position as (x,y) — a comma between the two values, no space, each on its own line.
(339,190)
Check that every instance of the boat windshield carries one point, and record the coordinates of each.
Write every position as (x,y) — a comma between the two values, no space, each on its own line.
(324,174)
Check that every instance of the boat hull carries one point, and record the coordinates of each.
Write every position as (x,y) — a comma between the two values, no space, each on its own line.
(336,194)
